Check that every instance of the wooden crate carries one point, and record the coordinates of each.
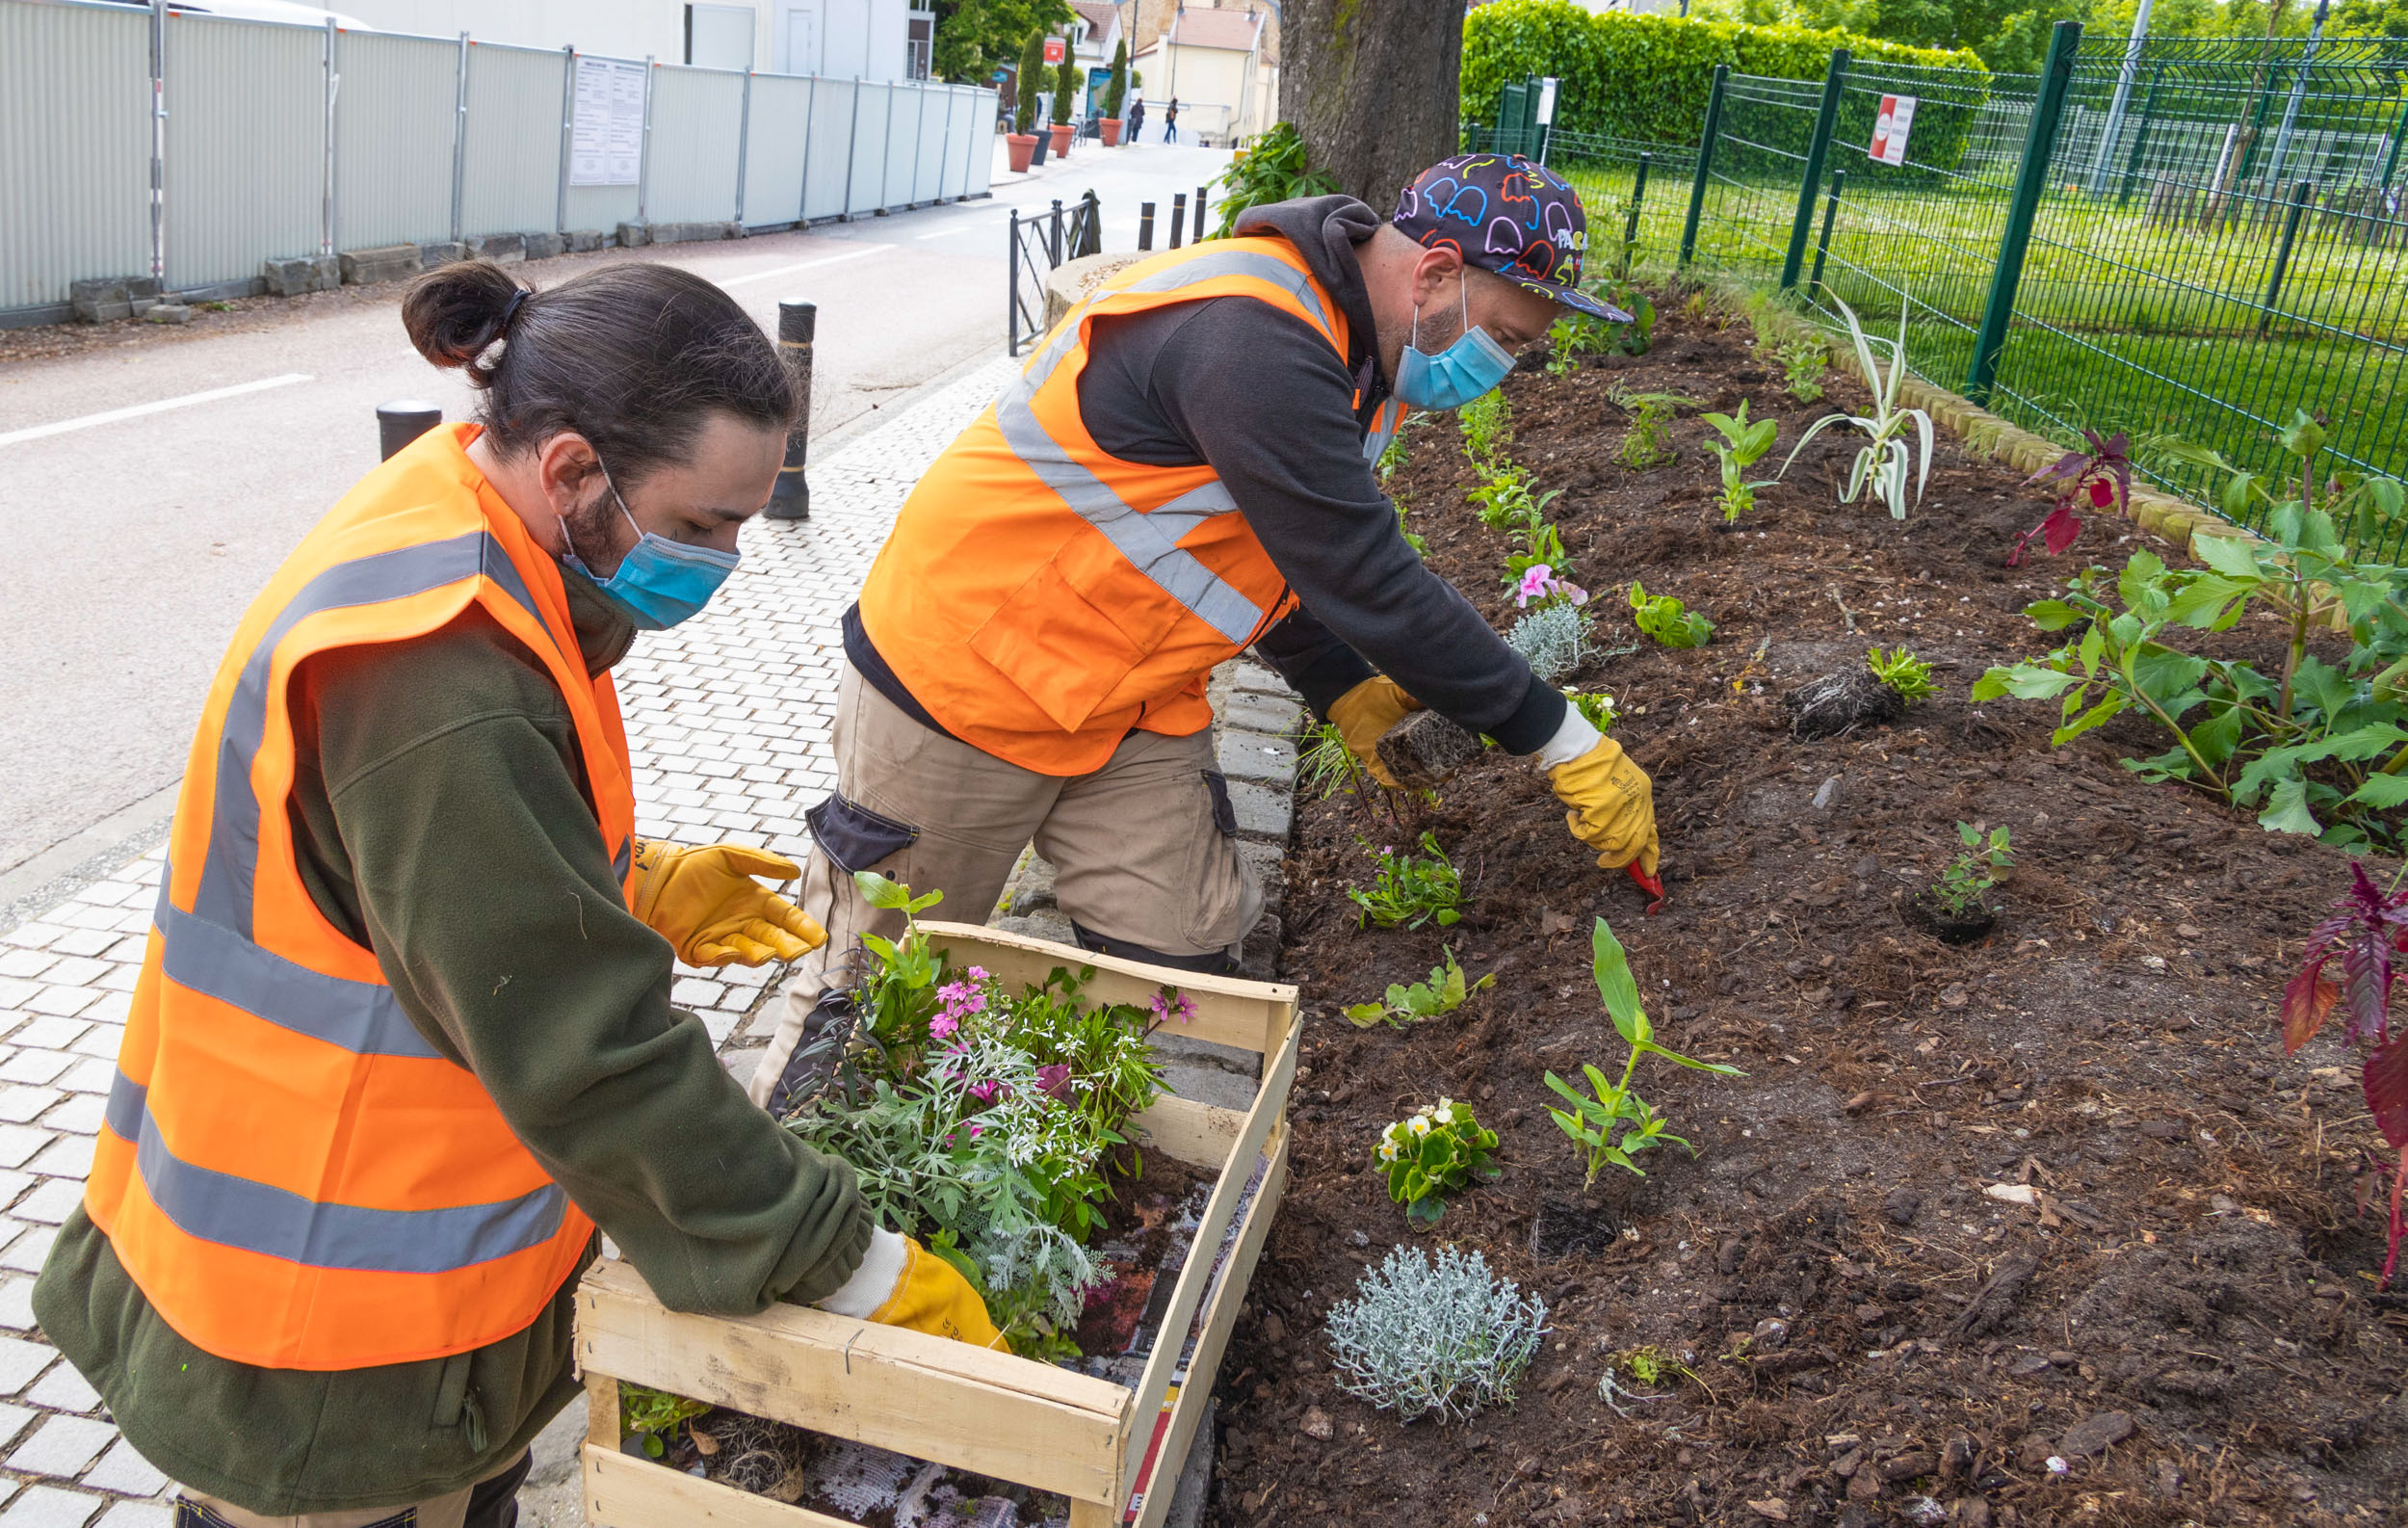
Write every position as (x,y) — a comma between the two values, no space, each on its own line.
(989,1413)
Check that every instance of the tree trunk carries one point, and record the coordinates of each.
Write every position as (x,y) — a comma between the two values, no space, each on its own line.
(1373,86)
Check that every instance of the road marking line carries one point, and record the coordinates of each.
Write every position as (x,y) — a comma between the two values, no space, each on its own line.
(789,270)
(136,410)
(947,233)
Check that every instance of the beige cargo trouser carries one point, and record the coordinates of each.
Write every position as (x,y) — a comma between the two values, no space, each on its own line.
(490,1503)
(1144,849)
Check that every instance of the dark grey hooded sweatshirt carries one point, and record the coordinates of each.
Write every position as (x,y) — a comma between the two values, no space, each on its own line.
(1260,396)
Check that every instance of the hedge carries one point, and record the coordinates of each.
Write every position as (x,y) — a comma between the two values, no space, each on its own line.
(1646,77)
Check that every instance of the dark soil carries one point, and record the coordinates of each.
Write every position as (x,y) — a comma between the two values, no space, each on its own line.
(2185,1314)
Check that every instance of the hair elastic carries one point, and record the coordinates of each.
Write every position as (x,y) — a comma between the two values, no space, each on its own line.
(510,309)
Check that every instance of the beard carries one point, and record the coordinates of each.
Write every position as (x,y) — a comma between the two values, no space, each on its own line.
(1439,325)
(589,530)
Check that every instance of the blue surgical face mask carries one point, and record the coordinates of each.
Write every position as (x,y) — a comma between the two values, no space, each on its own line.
(659,582)
(1464,370)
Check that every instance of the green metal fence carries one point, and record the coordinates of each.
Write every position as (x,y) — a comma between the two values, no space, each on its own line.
(2185,240)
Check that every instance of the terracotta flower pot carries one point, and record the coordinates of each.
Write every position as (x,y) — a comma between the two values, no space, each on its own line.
(1062,140)
(1019,147)
(1112,131)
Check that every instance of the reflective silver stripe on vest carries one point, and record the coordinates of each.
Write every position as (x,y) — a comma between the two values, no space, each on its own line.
(227,877)
(363,1017)
(1148,541)
(275,1222)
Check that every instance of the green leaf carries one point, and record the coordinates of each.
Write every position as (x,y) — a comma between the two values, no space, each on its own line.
(1616,985)
(881,892)
(2025,681)
(2287,809)
(1693,1065)
(2382,792)
(2229,555)
(2105,711)
(2209,601)
(2053,615)
(2323,686)
(1363,1016)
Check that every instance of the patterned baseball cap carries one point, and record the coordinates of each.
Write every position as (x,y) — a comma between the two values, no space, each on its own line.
(1501,213)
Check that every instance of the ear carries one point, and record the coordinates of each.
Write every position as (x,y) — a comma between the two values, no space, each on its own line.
(1434,273)
(566,464)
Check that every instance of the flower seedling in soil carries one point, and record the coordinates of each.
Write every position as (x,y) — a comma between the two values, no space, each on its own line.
(1434,1332)
(1411,890)
(1436,1150)
(1326,763)
(1443,994)
(1568,339)
(1645,444)
(2322,750)
(1886,460)
(2365,934)
(1667,621)
(1597,709)
(650,1413)
(1902,672)
(1537,584)
(1553,638)
(1487,425)
(1743,442)
(1802,361)
(1420,547)
(1611,1122)
(2098,475)
(1964,888)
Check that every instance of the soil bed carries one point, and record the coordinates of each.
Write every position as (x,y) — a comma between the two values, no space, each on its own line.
(2185,1316)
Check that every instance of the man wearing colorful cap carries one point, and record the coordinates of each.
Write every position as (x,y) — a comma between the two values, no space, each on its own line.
(1183,471)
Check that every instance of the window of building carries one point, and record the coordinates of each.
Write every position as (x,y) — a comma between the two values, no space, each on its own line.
(719,37)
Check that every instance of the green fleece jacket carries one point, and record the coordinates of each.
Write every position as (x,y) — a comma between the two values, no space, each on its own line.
(440,818)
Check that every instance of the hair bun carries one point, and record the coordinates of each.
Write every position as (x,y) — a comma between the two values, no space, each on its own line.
(454,313)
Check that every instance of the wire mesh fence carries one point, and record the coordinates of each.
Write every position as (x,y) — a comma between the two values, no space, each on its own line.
(2181,241)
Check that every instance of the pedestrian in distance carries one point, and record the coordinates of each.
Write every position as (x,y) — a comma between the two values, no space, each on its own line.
(1137,120)
(1184,471)
(402,1048)
(1170,121)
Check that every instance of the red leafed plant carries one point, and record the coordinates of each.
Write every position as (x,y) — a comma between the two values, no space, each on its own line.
(2366,932)
(2100,475)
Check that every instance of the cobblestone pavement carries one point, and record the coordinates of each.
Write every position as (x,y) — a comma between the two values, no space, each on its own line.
(728,718)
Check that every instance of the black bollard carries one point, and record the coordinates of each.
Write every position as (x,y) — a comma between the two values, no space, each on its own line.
(1199,216)
(402,421)
(1178,216)
(796,323)
(1146,225)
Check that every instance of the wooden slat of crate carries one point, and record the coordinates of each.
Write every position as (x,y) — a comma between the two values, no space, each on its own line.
(1270,1105)
(888,1387)
(1219,1320)
(1230,1011)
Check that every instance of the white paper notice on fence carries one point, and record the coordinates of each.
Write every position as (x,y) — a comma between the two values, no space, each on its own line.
(606,134)
(1888,130)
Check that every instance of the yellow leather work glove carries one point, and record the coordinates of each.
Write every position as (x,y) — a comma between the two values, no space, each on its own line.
(1613,808)
(932,1296)
(1364,715)
(705,902)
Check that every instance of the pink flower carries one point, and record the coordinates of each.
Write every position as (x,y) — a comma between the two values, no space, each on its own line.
(1175,1006)
(985,1092)
(942,1026)
(977,973)
(1540,583)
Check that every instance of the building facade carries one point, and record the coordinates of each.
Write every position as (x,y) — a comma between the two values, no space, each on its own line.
(875,39)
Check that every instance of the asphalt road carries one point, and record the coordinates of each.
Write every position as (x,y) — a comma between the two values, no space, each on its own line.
(135,541)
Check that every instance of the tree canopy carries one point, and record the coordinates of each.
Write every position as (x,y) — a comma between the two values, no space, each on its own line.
(975,37)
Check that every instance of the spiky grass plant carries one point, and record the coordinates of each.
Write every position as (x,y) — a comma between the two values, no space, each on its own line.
(1434,1332)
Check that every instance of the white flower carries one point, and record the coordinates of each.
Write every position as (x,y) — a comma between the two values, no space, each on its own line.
(1387,1150)
(1419,1124)
(1445,1114)
(1444,1102)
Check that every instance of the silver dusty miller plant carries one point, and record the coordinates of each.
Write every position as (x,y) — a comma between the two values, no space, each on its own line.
(1434,1334)
(1553,638)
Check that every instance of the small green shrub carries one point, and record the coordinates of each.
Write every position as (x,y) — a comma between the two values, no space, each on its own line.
(1967,879)
(1667,621)
(1443,994)
(1902,670)
(1487,425)
(1276,166)
(1436,1150)
(1411,890)
(1738,449)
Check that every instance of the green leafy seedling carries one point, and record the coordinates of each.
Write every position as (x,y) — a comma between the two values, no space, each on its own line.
(1741,444)
(1667,621)
(1902,670)
(1967,879)
(1611,1122)
(1443,994)
(1436,1150)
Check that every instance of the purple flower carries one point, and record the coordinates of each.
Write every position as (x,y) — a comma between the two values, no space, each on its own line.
(1175,1005)
(986,1091)
(1054,1082)
(942,1026)
(1540,583)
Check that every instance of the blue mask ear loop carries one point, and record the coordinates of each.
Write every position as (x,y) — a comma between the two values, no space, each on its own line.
(1463,300)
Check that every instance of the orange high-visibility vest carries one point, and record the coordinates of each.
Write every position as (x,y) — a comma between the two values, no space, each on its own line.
(1039,598)
(292,1175)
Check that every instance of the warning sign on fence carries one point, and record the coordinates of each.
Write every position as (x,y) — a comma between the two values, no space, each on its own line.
(606,136)
(1888,130)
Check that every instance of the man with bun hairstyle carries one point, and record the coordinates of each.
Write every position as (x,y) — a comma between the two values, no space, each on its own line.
(1182,471)
(402,1046)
